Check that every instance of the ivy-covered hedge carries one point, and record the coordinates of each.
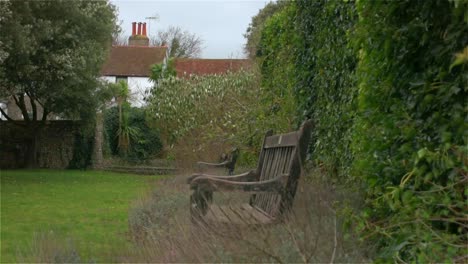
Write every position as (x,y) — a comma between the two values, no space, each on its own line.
(326,87)
(381,81)
(278,43)
(410,141)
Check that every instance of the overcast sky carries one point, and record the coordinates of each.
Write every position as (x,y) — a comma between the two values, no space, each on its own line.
(220,23)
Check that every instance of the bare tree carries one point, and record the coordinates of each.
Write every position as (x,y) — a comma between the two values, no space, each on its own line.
(182,43)
(118,38)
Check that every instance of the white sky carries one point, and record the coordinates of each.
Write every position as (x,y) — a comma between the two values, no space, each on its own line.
(220,23)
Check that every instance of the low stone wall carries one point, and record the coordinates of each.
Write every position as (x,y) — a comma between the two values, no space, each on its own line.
(55,143)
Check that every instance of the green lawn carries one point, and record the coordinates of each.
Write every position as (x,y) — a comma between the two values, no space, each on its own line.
(88,207)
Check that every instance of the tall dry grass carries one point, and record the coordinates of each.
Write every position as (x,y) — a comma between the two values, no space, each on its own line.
(47,247)
(161,229)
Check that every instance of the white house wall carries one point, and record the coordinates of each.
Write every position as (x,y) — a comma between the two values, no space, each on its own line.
(137,87)
(110,79)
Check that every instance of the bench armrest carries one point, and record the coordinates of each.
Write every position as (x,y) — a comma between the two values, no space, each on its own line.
(213,165)
(244,177)
(216,184)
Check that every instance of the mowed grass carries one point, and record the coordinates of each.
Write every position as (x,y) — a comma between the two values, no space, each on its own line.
(89,208)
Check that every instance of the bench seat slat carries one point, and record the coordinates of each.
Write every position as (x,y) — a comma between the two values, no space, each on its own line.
(242,214)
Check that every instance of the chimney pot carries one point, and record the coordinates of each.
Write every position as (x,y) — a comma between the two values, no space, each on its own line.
(144,29)
(133,28)
(139,28)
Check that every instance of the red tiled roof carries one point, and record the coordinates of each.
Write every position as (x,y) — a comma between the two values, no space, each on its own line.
(209,66)
(132,60)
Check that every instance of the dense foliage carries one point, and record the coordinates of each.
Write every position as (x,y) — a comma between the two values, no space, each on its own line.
(386,85)
(143,144)
(51,62)
(255,28)
(206,115)
(161,71)
(278,42)
(82,151)
(410,140)
(326,87)
(49,65)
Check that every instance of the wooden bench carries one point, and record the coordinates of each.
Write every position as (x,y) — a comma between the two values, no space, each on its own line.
(273,183)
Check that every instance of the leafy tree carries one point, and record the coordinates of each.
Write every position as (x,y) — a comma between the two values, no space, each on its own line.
(182,44)
(160,71)
(255,28)
(51,53)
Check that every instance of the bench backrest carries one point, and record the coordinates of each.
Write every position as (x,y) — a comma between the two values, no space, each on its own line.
(281,154)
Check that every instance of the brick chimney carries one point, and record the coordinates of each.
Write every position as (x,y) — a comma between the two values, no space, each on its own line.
(138,37)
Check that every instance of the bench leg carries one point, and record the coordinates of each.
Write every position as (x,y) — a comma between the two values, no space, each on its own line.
(199,203)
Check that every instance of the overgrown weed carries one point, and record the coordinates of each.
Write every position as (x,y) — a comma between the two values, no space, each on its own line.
(162,231)
(47,247)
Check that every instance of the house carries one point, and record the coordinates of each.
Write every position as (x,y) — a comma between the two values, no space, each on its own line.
(186,67)
(132,63)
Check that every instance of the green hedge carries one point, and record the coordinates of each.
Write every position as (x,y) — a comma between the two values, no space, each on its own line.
(278,43)
(326,87)
(410,140)
(389,103)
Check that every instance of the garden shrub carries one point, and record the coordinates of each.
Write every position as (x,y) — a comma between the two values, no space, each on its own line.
(144,145)
(386,85)
(201,117)
(83,143)
(82,151)
(410,139)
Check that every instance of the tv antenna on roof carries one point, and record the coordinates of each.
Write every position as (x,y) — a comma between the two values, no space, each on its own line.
(154,17)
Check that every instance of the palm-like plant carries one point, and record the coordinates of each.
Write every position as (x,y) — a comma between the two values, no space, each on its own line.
(125,131)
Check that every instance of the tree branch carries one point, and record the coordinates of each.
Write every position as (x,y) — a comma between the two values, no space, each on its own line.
(9,119)
(33,106)
(6,116)
(22,106)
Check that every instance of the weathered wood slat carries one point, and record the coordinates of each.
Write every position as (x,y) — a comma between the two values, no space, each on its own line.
(282,140)
(242,214)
